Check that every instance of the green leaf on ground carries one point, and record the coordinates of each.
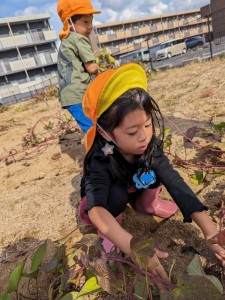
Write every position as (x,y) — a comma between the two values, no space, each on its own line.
(195,268)
(198,177)
(192,287)
(6,297)
(219,126)
(166,131)
(91,286)
(38,257)
(72,296)
(15,277)
(140,289)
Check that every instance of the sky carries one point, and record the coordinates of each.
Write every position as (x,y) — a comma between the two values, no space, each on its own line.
(112,10)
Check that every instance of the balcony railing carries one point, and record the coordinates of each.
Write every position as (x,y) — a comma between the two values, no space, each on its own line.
(27,38)
(137,46)
(27,62)
(170,25)
(144,30)
(134,32)
(112,37)
(153,28)
(186,34)
(25,90)
(155,40)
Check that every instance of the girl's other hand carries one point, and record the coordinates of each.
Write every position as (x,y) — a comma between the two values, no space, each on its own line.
(210,232)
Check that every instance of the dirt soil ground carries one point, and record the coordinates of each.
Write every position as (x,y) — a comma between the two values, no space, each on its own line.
(39,188)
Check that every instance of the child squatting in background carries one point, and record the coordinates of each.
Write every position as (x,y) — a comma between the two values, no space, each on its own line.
(125,163)
(76,60)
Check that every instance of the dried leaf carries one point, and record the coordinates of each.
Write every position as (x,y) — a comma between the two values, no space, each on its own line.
(220,146)
(88,241)
(142,249)
(56,156)
(216,137)
(104,274)
(55,261)
(190,134)
(88,247)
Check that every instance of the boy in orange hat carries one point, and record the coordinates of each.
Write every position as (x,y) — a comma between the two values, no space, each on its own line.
(76,60)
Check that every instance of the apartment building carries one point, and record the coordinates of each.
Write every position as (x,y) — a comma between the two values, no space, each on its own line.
(126,36)
(28,56)
(216,10)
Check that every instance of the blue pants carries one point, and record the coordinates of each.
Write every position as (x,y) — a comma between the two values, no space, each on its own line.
(77,112)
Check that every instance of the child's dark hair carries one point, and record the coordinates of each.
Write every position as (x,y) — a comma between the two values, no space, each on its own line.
(76,18)
(130,101)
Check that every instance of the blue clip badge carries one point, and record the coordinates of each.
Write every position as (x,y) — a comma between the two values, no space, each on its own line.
(144,180)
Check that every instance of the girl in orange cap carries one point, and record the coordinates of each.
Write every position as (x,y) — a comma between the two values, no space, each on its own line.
(125,163)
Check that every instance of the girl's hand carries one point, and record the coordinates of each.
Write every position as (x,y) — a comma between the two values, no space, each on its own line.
(156,268)
(219,252)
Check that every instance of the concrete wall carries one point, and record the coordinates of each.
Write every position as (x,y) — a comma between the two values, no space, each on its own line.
(205,11)
(216,10)
(217,5)
(218,18)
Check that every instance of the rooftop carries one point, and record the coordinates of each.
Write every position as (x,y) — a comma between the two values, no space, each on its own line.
(147,18)
(22,19)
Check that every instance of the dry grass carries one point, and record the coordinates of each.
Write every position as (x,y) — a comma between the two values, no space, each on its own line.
(191,92)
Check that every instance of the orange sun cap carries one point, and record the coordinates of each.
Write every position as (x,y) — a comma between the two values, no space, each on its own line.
(105,89)
(68,8)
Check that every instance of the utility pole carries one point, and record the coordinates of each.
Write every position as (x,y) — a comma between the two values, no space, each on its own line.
(149,52)
(210,40)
